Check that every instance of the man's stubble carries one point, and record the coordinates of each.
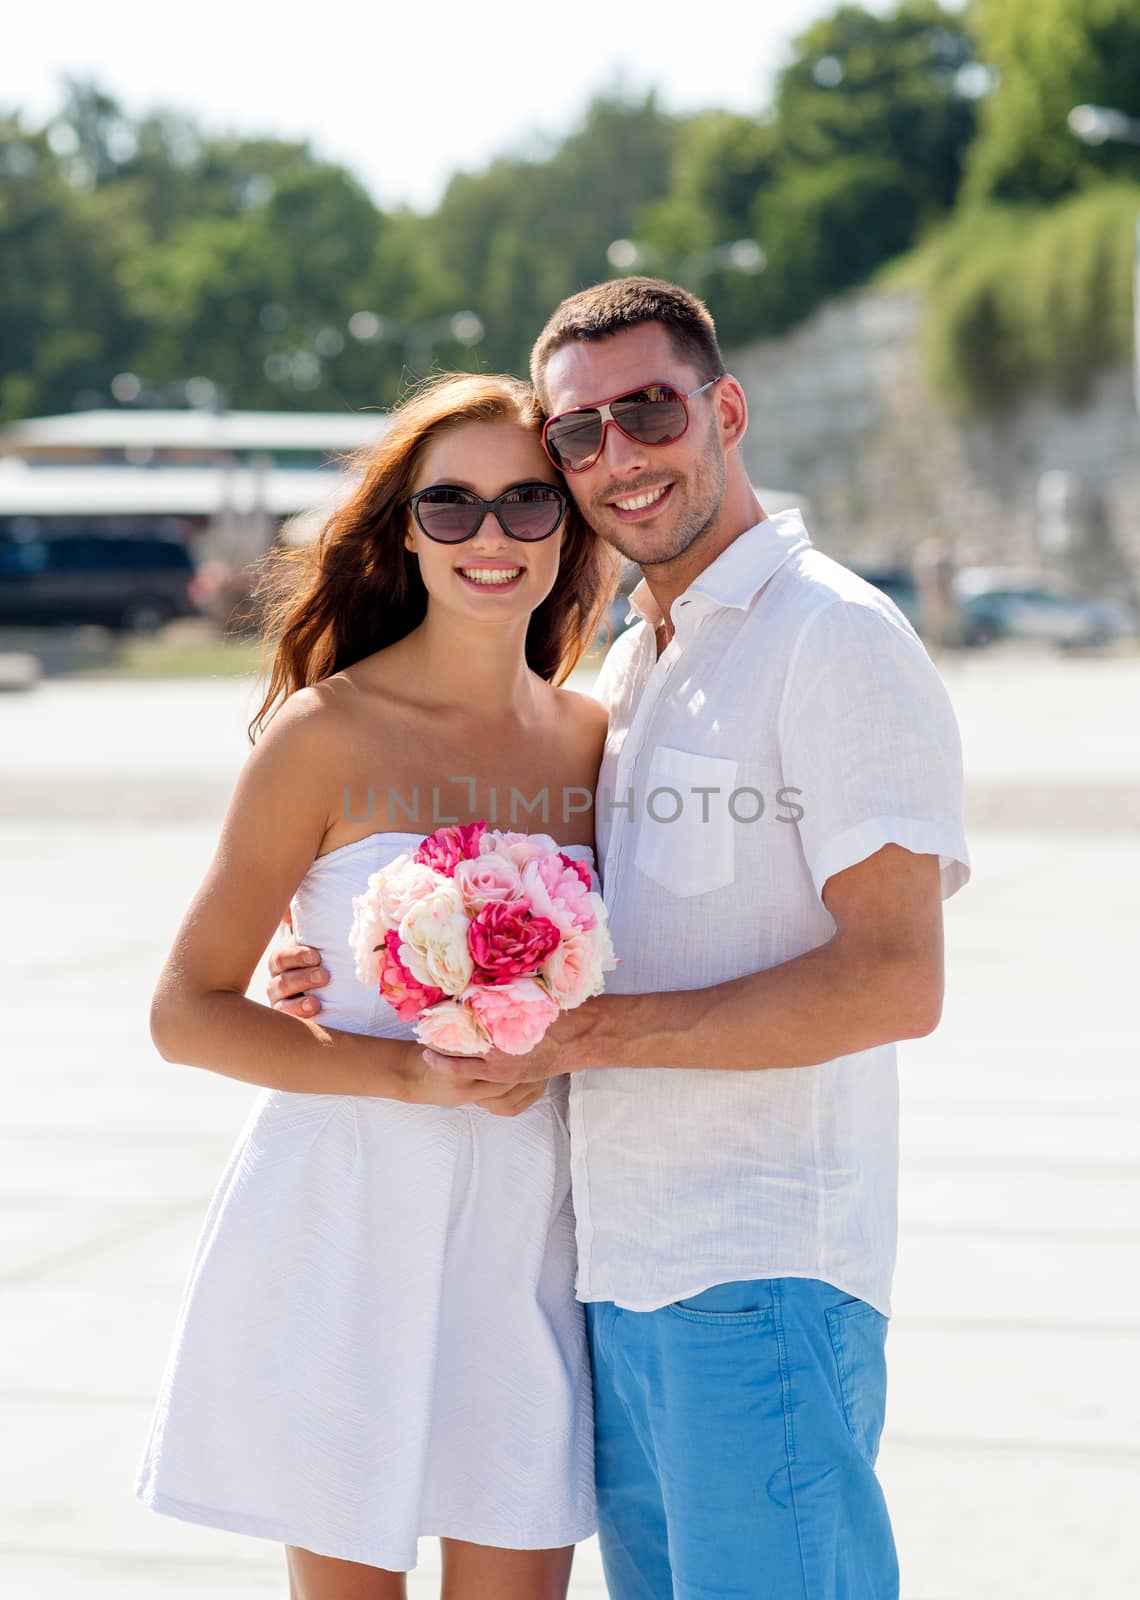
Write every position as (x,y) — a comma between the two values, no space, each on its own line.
(696,519)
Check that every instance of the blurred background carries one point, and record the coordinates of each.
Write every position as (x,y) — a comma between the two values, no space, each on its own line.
(224,251)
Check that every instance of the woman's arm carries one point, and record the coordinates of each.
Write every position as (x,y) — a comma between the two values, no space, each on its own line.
(273,829)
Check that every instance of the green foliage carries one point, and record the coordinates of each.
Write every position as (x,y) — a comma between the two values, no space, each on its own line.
(1020,298)
(61,309)
(887,87)
(514,240)
(149,245)
(865,143)
(828,228)
(1049,56)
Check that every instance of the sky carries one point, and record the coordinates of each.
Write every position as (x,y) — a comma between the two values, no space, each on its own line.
(406,94)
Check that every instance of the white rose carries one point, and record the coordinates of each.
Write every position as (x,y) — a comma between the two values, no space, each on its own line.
(453,1030)
(573,971)
(366,936)
(433,940)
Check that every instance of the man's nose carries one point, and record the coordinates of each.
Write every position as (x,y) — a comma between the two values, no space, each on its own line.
(620,453)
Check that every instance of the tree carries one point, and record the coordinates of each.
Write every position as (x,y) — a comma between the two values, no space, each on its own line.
(1049,56)
(865,146)
(257,293)
(828,229)
(516,238)
(63,319)
(891,87)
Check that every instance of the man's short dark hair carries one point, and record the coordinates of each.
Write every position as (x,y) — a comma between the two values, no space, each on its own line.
(608,308)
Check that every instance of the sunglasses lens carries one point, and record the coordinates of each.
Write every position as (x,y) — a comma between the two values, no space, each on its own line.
(532,512)
(655,415)
(573,440)
(447,514)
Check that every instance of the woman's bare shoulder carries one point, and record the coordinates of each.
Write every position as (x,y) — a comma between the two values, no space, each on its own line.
(331,706)
(591,714)
(307,723)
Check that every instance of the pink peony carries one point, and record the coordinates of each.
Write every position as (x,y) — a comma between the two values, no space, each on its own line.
(401,988)
(391,891)
(486,878)
(400,884)
(447,847)
(518,847)
(579,867)
(515,1014)
(573,972)
(557,893)
(506,941)
(454,1030)
(366,936)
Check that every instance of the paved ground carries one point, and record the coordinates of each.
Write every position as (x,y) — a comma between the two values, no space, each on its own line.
(1049,741)
(1012,1453)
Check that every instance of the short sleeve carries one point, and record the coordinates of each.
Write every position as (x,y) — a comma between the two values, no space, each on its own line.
(869,737)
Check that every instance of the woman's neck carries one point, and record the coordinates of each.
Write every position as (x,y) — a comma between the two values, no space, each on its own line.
(469,667)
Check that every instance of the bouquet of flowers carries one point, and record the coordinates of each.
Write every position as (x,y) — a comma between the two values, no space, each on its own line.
(481,938)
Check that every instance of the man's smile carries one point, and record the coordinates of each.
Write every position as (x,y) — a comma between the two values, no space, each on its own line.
(640,506)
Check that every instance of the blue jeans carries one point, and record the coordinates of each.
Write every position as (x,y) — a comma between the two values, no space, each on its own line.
(736,1436)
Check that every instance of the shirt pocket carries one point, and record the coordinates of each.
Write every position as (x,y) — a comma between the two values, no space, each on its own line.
(686,840)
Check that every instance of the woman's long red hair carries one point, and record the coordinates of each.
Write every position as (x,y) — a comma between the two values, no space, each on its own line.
(357,588)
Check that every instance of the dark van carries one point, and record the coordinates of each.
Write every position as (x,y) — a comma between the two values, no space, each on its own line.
(133,584)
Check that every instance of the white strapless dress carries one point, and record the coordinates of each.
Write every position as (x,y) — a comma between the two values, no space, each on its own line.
(379,1339)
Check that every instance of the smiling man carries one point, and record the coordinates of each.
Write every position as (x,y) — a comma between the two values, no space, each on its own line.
(779,818)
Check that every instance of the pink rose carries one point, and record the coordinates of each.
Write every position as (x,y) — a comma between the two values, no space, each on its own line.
(447,847)
(506,941)
(401,988)
(486,878)
(515,1014)
(557,893)
(573,972)
(453,1029)
(518,847)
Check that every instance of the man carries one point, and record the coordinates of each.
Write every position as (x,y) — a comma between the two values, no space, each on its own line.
(779,817)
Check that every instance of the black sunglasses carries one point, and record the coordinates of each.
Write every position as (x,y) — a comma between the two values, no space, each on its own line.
(526,511)
(657,413)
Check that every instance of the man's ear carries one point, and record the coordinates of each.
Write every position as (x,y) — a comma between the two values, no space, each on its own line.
(732,411)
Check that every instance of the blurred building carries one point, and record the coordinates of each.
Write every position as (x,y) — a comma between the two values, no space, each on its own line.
(842,406)
(223,483)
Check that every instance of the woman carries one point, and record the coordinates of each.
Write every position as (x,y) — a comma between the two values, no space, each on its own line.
(379,1338)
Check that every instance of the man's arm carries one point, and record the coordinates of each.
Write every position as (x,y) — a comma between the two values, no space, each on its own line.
(879,978)
(294,969)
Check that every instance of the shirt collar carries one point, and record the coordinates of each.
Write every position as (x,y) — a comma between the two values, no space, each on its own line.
(741,570)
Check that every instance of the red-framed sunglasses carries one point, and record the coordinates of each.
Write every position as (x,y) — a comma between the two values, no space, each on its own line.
(656,413)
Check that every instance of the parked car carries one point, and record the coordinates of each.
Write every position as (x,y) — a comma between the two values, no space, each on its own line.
(898,584)
(133,584)
(997,604)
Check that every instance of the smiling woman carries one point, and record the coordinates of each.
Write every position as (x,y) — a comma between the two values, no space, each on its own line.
(364,583)
(371,1205)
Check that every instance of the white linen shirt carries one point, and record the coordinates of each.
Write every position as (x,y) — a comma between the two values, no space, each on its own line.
(793,726)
